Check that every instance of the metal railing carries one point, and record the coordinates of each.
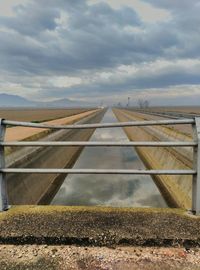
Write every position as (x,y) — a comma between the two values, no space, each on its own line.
(195,172)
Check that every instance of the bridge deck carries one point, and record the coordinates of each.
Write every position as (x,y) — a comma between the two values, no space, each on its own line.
(98,226)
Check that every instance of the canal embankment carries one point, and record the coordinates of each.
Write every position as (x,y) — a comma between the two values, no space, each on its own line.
(40,189)
(176,190)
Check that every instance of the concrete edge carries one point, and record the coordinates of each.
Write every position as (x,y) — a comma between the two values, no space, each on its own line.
(99,226)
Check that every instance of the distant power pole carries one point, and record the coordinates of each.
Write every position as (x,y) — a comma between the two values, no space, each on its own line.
(128,103)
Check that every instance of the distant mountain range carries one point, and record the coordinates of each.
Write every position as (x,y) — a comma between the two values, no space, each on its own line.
(18,101)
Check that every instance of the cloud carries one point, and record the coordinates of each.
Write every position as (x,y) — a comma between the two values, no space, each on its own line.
(146,12)
(7,7)
(87,48)
(93,38)
(121,190)
(31,23)
(184,24)
(175,5)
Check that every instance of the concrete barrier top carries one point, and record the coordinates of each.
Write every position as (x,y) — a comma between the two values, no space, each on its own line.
(99,226)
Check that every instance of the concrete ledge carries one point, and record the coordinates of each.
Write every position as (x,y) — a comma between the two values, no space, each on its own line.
(99,226)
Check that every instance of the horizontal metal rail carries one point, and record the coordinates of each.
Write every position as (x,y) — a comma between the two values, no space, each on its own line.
(194,172)
(106,125)
(99,171)
(96,144)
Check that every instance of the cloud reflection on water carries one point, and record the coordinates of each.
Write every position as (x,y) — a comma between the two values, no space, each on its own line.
(110,190)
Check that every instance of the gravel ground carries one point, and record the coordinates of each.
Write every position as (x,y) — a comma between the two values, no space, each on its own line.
(98,258)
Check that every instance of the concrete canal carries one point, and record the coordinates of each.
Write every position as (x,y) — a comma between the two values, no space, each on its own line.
(109,190)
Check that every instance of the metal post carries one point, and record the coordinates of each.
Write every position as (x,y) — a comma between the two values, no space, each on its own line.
(196,166)
(3,185)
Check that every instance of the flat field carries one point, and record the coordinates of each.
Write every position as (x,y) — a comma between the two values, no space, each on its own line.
(37,115)
(186,109)
(22,133)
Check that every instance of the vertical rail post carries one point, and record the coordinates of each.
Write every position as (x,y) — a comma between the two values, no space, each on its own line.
(3,184)
(196,165)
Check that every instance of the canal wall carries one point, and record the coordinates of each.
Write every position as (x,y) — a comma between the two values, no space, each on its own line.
(176,190)
(40,189)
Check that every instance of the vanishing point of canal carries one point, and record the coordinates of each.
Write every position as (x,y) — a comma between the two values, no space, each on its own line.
(109,190)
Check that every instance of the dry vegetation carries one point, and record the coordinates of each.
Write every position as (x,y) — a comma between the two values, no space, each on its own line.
(38,115)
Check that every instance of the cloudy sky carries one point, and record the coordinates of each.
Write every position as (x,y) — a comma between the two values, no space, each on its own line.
(101,50)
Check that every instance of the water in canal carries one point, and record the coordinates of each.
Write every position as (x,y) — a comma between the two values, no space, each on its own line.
(109,190)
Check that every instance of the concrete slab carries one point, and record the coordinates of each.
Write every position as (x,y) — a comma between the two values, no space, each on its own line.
(98,226)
